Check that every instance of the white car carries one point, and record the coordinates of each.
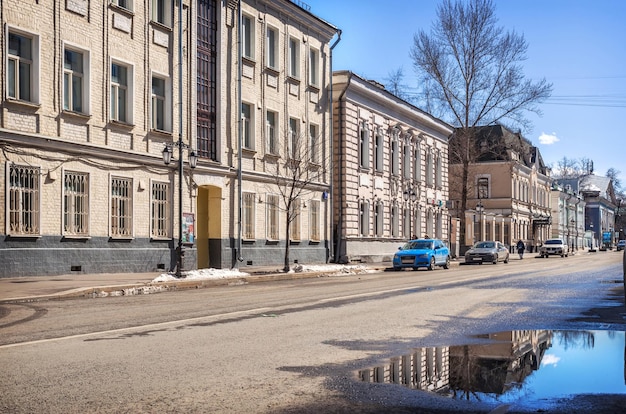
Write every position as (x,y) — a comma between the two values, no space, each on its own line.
(554,247)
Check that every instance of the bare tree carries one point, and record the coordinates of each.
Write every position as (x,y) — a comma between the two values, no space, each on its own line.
(471,69)
(302,171)
(394,83)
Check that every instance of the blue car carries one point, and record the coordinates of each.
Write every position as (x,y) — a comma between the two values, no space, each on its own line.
(426,253)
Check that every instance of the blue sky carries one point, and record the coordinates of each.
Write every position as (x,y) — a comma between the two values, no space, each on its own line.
(577,45)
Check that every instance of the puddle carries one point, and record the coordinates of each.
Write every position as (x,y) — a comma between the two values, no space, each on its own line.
(520,367)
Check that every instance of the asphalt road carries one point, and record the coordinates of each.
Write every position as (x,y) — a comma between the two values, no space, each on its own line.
(289,346)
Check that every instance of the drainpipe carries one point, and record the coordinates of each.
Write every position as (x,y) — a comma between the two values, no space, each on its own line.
(240,135)
(338,245)
(331,133)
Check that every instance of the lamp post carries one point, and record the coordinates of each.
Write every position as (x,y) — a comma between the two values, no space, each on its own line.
(193,159)
(480,208)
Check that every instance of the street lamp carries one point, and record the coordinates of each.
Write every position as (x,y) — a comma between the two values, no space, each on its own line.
(480,208)
(193,160)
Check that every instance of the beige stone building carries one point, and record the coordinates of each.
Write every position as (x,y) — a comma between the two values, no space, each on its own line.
(390,171)
(93,93)
(508,189)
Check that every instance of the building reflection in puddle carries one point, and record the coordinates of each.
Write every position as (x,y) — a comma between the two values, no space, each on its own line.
(528,364)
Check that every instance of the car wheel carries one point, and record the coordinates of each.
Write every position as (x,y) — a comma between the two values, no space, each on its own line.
(431,265)
(506,259)
(415,268)
(396,268)
(447,264)
(495,260)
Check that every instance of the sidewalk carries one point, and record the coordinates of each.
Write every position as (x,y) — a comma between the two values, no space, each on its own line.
(37,288)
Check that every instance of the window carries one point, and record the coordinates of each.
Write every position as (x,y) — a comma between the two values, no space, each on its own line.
(364,218)
(23,200)
(429,168)
(22,68)
(406,223)
(272,138)
(395,157)
(272,217)
(429,223)
(379,147)
(120,93)
(248,216)
(272,48)
(315,143)
(121,207)
(417,223)
(162,12)
(406,161)
(73,81)
(294,229)
(378,219)
(483,187)
(314,62)
(159,120)
(247,126)
(294,58)
(293,139)
(160,210)
(248,36)
(395,221)
(126,4)
(438,170)
(315,220)
(417,164)
(364,145)
(75,204)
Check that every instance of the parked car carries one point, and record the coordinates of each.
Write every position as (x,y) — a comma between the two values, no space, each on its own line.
(620,245)
(426,253)
(487,251)
(554,247)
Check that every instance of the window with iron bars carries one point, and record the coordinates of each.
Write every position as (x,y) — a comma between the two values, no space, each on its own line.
(75,204)
(24,193)
(160,210)
(121,207)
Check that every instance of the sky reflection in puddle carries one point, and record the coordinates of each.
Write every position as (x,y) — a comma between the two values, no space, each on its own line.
(515,366)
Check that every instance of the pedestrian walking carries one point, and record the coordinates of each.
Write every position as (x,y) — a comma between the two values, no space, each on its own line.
(520,249)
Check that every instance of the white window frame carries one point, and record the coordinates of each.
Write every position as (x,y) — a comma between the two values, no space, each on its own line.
(247,122)
(116,85)
(483,186)
(272,132)
(294,58)
(162,12)
(429,168)
(364,218)
(395,156)
(124,4)
(248,220)
(294,138)
(273,50)
(74,75)
(417,163)
(406,222)
(121,207)
(23,200)
(296,222)
(17,62)
(315,220)
(165,99)
(247,38)
(417,223)
(160,215)
(75,203)
(379,219)
(273,217)
(314,142)
(395,220)
(314,67)
(438,170)
(379,149)
(406,160)
(364,145)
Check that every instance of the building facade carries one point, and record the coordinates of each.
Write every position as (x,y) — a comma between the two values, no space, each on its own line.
(568,216)
(508,190)
(390,171)
(95,91)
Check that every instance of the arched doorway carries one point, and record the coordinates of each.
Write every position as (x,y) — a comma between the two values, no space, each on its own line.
(209,223)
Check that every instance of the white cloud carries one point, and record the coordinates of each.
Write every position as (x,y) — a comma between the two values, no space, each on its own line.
(548,139)
(550,359)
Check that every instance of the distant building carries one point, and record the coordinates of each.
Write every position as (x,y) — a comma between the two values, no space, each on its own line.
(390,176)
(568,216)
(508,189)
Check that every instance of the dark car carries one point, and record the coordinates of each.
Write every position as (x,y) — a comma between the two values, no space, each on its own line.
(620,245)
(487,251)
(426,253)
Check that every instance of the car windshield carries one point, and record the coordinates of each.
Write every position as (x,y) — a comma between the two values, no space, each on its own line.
(554,242)
(485,245)
(418,244)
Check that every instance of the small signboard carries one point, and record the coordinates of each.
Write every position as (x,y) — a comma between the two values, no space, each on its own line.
(188,227)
